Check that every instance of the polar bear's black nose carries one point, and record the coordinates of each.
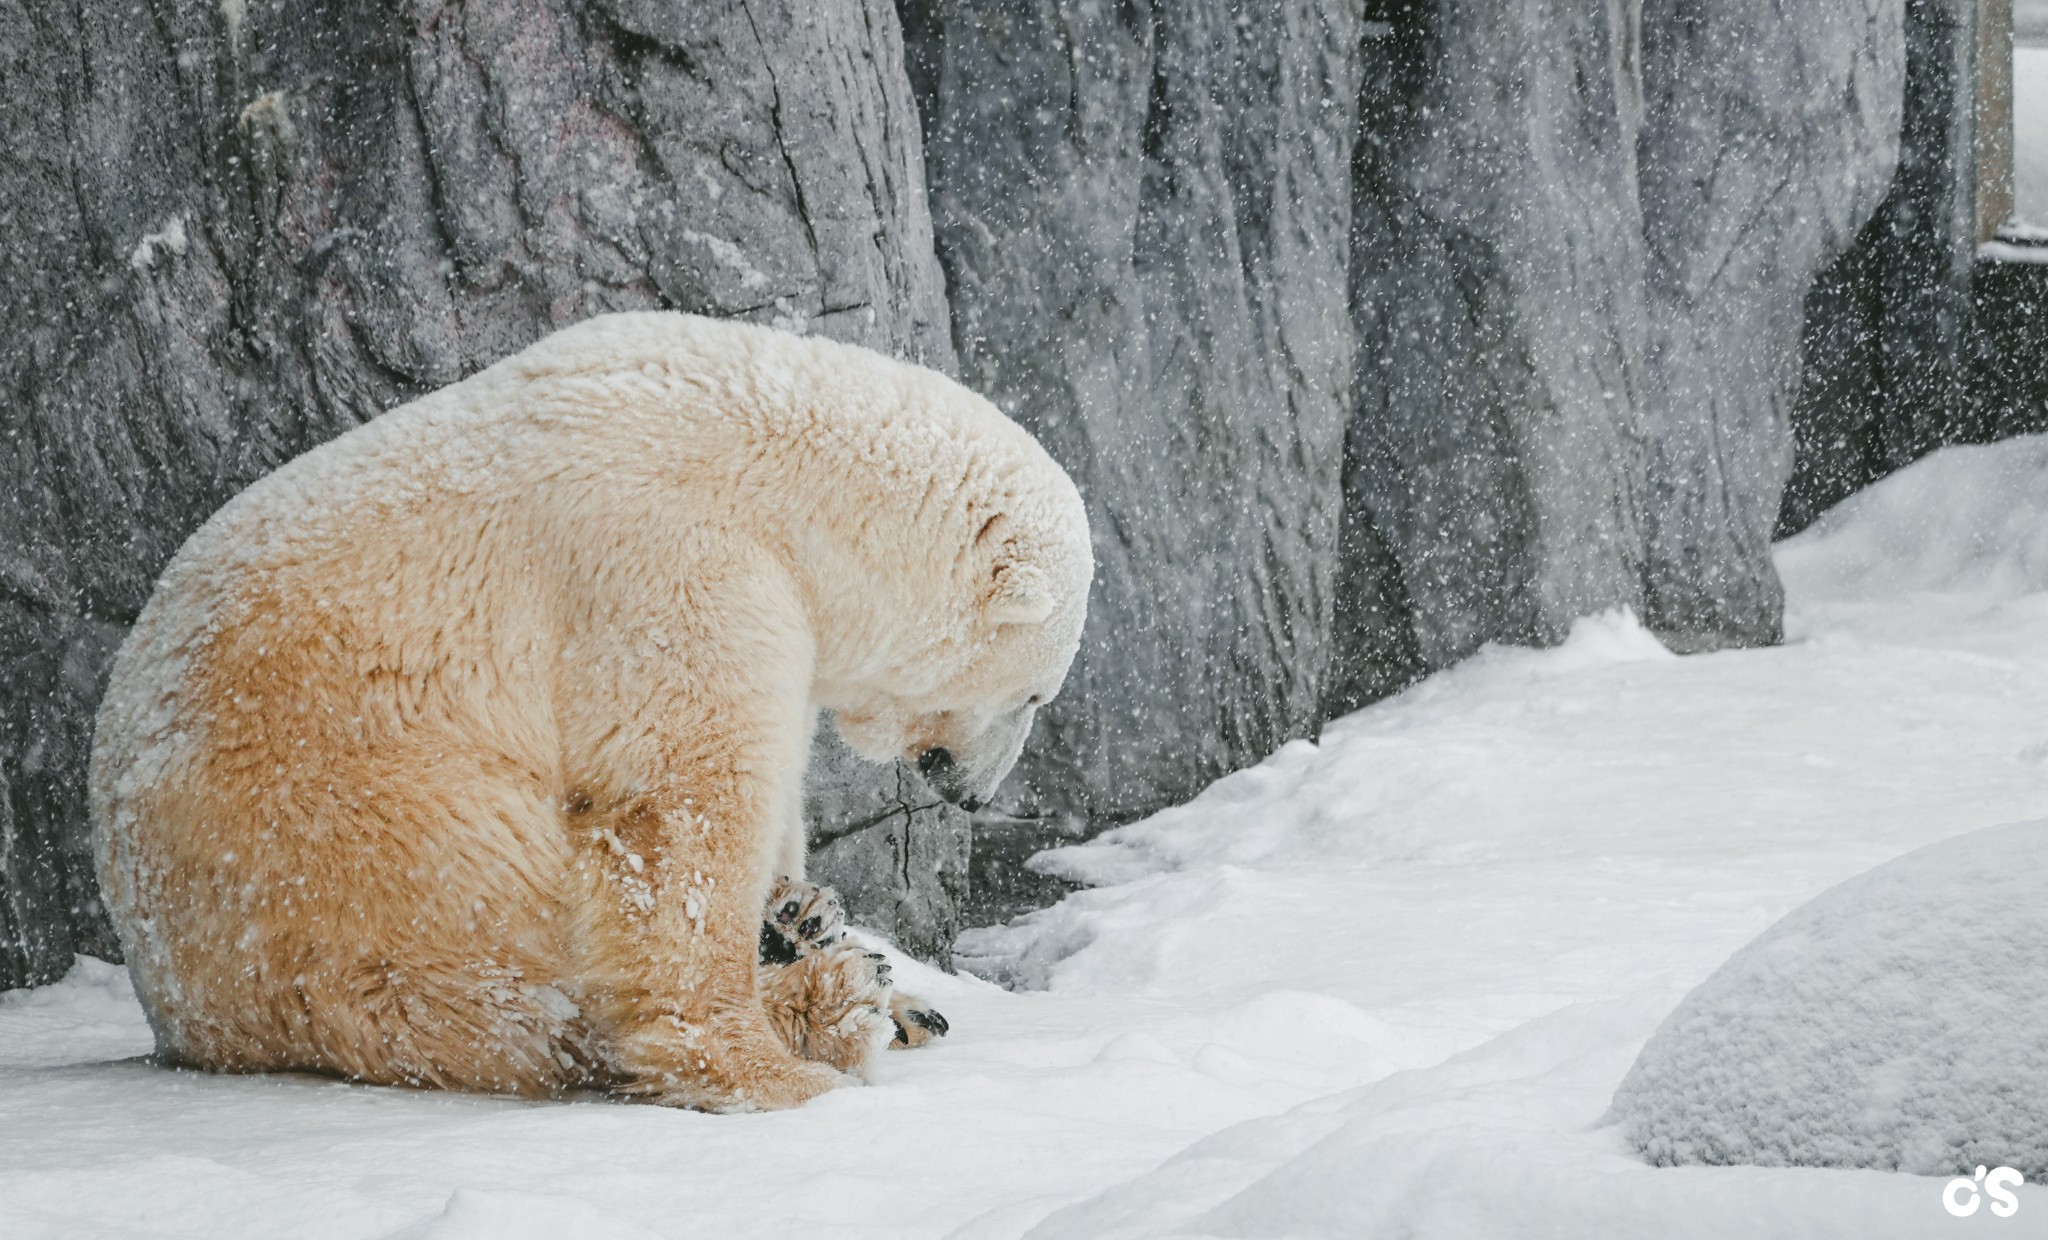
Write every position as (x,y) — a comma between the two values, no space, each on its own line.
(945,777)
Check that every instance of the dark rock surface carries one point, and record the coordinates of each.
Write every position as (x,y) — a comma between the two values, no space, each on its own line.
(896,854)
(230,230)
(2009,344)
(1914,338)
(1496,442)
(1142,210)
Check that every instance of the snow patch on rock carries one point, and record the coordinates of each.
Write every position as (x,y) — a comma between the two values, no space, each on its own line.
(169,239)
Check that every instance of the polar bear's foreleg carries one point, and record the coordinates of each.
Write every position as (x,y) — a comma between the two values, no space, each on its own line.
(669,927)
(683,749)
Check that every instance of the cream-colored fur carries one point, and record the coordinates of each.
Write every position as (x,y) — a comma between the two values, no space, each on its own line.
(462,750)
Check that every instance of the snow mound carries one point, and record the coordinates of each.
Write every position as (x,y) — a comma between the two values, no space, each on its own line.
(1351,799)
(91,1014)
(1968,521)
(1898,1021)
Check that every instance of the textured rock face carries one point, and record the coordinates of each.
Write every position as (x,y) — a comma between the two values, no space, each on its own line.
(231,230)
(1912,340)
(896,853)
(1500,308)
(1770,136)
(1142,210)
(1585,235)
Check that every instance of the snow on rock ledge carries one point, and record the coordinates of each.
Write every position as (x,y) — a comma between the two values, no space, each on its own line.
(1898,1021)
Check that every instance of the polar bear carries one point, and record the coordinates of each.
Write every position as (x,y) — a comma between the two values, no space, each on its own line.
(466,750)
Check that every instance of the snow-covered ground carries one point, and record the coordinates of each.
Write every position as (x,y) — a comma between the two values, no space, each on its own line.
(1383,985)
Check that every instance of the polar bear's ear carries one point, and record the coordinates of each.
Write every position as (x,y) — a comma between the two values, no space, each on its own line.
(1018,592)
(1021,596)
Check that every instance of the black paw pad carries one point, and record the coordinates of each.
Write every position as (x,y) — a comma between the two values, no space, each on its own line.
(775,948)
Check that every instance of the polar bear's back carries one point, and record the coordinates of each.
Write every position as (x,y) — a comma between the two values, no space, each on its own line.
(619,395)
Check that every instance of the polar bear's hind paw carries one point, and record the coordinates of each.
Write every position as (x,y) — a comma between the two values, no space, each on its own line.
(916,1022)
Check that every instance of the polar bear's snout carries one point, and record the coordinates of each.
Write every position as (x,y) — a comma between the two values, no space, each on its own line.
(943,774)
(968,771)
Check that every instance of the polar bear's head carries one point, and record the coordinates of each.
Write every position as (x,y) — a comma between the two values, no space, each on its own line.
(960,702)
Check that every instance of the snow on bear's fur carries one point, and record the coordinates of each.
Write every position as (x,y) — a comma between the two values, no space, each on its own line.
(464,749)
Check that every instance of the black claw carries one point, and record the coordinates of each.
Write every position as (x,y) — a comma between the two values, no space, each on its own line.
(928,1019)
(902,1034)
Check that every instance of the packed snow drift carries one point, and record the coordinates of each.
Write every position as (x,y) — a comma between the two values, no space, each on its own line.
(1383,984)
(1898,1021)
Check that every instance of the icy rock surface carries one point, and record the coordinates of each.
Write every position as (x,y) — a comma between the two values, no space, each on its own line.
(1898,1021)
(230,231)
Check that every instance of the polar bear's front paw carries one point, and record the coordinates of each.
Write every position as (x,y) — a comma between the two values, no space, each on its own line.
(802,919)
(832,1006)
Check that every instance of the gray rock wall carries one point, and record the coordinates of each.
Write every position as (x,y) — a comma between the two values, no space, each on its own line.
(1771,135)
(1892,328)
(1585,235)
(1371,333)
(1142,210)
(1500,306)
(232,229)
